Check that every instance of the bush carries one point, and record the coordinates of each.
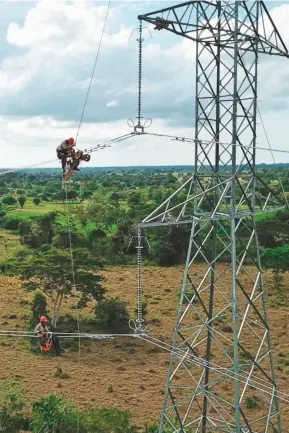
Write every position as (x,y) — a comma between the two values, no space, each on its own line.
(22,200)
(38,307)
(9,200)
(53,415)
(36,201)
(110,420)
(112,313)
(11,223)
(12,418)
(252,403)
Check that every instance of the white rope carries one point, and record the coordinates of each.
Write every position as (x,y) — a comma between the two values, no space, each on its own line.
(93,70)
(77,315)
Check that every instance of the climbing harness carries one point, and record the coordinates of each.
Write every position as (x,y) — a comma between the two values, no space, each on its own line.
(73,162)
(47,343)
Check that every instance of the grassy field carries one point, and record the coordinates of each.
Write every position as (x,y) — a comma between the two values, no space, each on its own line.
(30,209)
(125,373)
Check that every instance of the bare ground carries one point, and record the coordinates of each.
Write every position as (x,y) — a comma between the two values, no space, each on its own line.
(124,373)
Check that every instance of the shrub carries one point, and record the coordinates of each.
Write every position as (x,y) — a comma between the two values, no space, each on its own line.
(12,418)
(38,307)
(36,201)
(110,420)
(11,223)
(60,374)
(9,200)
(112,313)
(53,415)
(252,403)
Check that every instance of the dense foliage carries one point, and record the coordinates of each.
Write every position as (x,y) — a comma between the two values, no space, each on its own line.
(97,227)
(54,415)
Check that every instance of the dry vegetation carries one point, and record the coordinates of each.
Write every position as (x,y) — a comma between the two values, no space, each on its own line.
(124,373)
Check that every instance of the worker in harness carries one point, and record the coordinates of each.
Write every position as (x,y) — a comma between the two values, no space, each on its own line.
(46,339)
(42,333)
(65,150)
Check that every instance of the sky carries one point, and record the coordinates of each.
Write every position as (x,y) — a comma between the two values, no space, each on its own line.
(47,52)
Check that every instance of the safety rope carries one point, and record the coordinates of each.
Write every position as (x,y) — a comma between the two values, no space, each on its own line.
(93,70)
(74,287)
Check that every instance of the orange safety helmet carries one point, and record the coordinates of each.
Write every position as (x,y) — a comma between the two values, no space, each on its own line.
(71,140)
(43,319)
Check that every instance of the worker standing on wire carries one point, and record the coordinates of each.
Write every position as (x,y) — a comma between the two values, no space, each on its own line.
(64,150)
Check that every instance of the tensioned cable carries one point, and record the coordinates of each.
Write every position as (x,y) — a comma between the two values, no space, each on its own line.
(101,146)
(208,142)
(95,148)
(199,362)
(93,70)
(272,154)
(30,334)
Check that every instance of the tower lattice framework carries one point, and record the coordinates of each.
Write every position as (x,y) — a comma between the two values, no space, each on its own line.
(221,375)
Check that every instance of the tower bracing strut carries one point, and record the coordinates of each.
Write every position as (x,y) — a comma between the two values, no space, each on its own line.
(222,317)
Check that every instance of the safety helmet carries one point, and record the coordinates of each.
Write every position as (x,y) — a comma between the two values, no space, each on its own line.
(43,319)
(71,140)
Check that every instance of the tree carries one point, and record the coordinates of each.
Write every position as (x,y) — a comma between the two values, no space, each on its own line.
(115,196)
(276,259)
(38,231)
(9,200)
(38,307)
(22,201)
(50,271)
(36,201)
(112,313)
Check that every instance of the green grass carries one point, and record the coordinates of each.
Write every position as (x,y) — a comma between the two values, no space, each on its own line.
(31,210)
(9,243)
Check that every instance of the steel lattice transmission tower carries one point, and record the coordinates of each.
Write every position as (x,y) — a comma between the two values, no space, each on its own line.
(226,381)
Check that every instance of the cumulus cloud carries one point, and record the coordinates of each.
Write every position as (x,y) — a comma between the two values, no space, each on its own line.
(60,39)
(44,79)
(113,103)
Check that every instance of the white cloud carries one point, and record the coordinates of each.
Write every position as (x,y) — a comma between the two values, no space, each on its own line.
(43,85)
(113,103)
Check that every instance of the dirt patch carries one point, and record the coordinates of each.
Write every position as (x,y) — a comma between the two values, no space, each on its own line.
(128,374)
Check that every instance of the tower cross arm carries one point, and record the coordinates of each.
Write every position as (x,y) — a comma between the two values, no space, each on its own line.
(211,23)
